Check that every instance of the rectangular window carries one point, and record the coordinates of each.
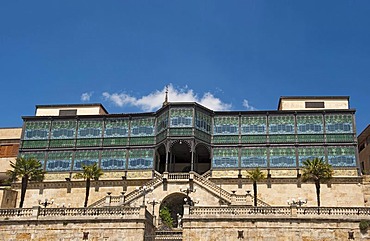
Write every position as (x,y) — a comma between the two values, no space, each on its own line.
(314,104)
(68,112)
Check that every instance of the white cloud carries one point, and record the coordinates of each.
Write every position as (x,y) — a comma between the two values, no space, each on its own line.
(86,96)
(247,106)
(154,100)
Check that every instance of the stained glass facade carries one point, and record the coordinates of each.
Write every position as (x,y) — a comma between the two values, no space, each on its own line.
(226,125)
(203,121)
(59,161)
(225,157)
(86,158)
(140,159)
(253,157)
(113,160)
(275,139)
(181,117)
(310,152)
(282,157)
(342,156)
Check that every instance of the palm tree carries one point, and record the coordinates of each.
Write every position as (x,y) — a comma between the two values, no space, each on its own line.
(28,169)
(318,171)
(89,172)
(255,175)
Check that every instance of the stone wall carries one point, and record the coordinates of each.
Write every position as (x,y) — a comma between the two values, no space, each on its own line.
(96,224)
(273,224)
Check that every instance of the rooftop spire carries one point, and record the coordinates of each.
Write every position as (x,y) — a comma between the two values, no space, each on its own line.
(166,97)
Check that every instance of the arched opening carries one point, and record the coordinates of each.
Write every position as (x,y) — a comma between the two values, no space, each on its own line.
(160,159)
(175,203)
(202,160)
(180,157)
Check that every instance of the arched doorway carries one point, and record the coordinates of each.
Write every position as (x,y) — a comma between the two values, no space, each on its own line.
(202,160)
(175,203)
(180,157)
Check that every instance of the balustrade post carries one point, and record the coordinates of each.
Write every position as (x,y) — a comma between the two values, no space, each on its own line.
(165,175)
(293,210)
(233,197)
(35,211)
(142,211)
(108,199)
(186,210)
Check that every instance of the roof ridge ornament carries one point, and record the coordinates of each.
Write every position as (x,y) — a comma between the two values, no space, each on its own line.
(166,97)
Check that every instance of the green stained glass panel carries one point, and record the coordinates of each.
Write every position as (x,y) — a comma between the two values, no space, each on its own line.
(181,117)
(339,138)
(281,124)
(64,129)
(254,125)
(140,159)
(226,125)
(305,153)
(310,124)
(254,139)
(203,122)
(142,141)
(85,158)
(181,131)
(34,144)
(113,159)
(225,139)
(342,156)
(62,143)
(306,138)
(162,122)
(338,123)
(59,161)
(282,157)
(225,158)
(89,142)
(254,157)
(142,127)
(116,127)
(36,130)
(90,128)
(281,138)
(115,142)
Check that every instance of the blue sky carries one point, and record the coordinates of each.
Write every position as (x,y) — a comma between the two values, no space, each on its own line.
(228,55)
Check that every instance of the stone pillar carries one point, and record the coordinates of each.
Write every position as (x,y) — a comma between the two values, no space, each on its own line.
(108,199)
(35,211)
(293,210)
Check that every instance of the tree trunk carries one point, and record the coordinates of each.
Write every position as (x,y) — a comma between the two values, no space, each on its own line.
(23,190)
(317,184)
(87,191)
(255,193)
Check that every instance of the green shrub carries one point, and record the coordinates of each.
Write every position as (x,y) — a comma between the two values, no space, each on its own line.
(364,225)
(165,215)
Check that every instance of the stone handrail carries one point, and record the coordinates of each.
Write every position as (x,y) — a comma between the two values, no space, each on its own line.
(207,174)
(24,212)
(109,211)
(212,187)
(243,198)
(137,193)
(332,211)
(178,176)
(288,211)
(242,210)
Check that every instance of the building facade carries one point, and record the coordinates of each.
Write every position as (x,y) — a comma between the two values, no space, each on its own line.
(364,150)
(183,137)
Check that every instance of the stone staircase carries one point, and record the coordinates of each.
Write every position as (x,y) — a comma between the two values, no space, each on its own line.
(201,180)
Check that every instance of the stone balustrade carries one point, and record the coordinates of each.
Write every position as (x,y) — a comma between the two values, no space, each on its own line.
(279,212)
(121,212)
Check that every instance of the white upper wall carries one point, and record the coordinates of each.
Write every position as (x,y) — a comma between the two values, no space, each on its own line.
(55,110)
(10,133)
(314,103)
